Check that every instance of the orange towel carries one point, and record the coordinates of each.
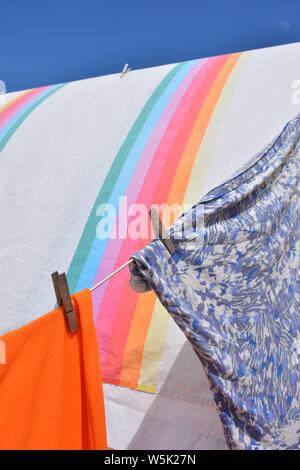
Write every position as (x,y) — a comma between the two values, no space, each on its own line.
(51,387)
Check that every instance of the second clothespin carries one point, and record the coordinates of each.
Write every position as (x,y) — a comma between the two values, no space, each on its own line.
(125,70)
(160,231)
(63,298)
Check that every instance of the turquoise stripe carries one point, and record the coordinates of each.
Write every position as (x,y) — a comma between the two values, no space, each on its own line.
(98,247)
(88,234)
(27,109)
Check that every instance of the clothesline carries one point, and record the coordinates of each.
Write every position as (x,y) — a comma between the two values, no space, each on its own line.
(160,232)
(110,275)
(60,282)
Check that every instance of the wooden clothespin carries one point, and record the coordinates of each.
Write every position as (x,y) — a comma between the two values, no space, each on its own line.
(63,298)
(160,231)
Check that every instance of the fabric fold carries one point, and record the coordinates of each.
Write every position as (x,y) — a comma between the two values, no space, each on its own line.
(233,287)
(51,393)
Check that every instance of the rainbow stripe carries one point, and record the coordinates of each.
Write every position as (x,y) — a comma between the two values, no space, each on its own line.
(153,165)
(13,114)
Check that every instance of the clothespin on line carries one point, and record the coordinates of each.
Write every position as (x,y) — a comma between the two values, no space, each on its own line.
(60,283)
(125,70)
(160,231)
(63,298)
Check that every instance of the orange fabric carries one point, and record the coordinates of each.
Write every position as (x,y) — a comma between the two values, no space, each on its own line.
(51,393)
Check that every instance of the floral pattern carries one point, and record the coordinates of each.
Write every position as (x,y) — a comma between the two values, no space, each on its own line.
(233,287)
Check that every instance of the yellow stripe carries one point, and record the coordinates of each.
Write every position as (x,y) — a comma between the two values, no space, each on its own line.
(154,345)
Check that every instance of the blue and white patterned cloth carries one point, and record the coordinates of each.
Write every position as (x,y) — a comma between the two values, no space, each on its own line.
(233,287)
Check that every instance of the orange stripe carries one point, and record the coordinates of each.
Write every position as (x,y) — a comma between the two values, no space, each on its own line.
(134,350)
(184,169)
(178,135)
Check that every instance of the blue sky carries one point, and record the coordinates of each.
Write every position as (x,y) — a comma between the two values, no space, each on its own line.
(53,41)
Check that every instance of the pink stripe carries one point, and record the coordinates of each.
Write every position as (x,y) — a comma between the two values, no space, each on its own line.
(15,106)
(127,299)
(145,161)
(146,197)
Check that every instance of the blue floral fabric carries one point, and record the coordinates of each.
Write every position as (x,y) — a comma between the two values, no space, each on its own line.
(233,287)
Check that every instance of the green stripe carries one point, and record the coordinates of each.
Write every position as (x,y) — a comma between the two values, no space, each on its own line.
(88,234)
(22,118)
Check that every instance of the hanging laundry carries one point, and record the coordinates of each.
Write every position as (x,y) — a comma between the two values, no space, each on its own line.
(233,287)
(50,387)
